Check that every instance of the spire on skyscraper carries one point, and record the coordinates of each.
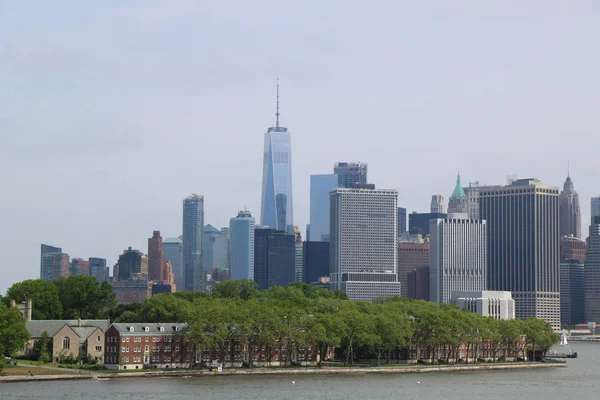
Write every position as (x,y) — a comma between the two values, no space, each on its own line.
(277,113)
(459,192)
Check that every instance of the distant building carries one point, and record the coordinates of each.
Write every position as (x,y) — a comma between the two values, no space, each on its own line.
(401,221)
(418,284)
(315,261)
(132,263)
(215,249)
(53,263)
(413,256)
(298,255)
(349,173)
(472,193)
(79,267)
(193,224)
(572,292)
(457,256)
(592,273)
(134,290)
(438,204)
(487,303)
(99,269)
(173,253)
(572,248)
(526,262)
(156,258)
(320,186)
(241,244)
(570,211)
(274,258)
(419,222)
(363,242)
(595,201)
(459,203)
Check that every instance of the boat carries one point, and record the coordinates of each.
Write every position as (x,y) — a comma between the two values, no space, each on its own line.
(563,339)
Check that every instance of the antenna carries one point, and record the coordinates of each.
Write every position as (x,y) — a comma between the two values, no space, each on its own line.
(277,113)
(568,168)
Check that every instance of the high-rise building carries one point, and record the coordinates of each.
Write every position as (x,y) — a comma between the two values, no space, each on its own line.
(363,242)
(413,256)
(52,263)
(459,203)
(277,206)
(438,204)
(215,249)
(418,223)
(193,224)
(274,258)
(132,264)
(241,244)
(401,221)
(173,251)
(457,256)
(570,212)
(320,186)
(572,294)
(298,255)
(156,258)
(350,173)
(595,201)
(472,193)
(99,269)
(524,246)
(592,272)
(315,261)
(572,248)
(79,267)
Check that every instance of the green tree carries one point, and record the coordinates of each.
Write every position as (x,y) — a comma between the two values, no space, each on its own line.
(13,331)
(85,297)
(539,333)
(43,348)
(326,331)
(44,296)
(243,289)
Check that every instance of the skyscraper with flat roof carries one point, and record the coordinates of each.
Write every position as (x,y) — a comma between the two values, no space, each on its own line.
(99,269)
(193,224)
(241,244)
(349,173)
(570,212)
(438,204)
(524,246)
(592,272)
(320,186)
(215,253)
(53,263)
(173,251)
(401,220)
(277,205)
(274,258)
(595,207)
(156,258)
(79,267)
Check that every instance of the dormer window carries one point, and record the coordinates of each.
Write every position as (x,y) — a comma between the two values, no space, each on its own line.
(162,328)
(177,329)
(147,329)
(131,329)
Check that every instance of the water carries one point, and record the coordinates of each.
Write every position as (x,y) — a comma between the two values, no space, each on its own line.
(580,380)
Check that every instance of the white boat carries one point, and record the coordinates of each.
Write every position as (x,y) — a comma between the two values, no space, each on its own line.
(563,339)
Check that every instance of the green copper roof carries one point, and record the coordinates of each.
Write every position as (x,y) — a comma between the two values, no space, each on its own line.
(459,192)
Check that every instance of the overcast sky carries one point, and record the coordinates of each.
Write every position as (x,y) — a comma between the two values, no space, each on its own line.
(112,112)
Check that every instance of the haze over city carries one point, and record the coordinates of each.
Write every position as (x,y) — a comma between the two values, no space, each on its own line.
(112,113)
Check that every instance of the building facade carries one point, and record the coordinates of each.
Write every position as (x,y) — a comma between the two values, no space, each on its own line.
(131,264)
(241,237)
(570,211)
(401,221)
(99,269)
(133,290)
(277,205)
(274,258)
(298,255)
(215,249)
(438,204)
(156,258)
(53,263)
(78,267)
(419,222)
(472,193)
(457,256)
(524,246)
(363,242)
(572,292)
(487,303)
(413,256)
(595,202)
(315,261)
(193,225)
(592,273)
(350,173)
(173,251)
(320,186)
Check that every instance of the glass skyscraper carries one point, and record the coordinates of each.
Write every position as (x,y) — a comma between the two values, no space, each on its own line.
(241,245)
(320,186)
(193,226)
(276,204)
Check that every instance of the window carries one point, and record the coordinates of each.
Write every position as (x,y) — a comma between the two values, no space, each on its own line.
(147,348)
(162,328)
(66,343)
(98,348)
(98,337)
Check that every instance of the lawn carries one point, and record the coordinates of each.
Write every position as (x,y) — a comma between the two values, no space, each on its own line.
(23,370)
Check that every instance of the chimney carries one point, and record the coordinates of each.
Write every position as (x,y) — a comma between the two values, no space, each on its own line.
(78,321)
(29,310)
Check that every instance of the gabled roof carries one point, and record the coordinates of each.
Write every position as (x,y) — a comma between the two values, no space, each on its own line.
(209,228)
(459,192)
(36,327)
(168,327)
(84,332)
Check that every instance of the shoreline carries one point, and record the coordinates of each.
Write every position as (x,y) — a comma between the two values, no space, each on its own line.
(281,371)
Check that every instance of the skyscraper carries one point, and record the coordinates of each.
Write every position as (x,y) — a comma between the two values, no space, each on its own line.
(315,261)
(320,186)
(592,272)
(523,246)
(173,250)
(472,193)
(349,173)
(458,204)
(570,212)
(99,269)
(298,255)
(413,257)
(457,256)
(418,223)
(277,206)
(438,204)
(53,263)
(215,249)
(401,220)
(156,258)
(193,224)
(274,258)
(595,207)
(79,267)
(241,245)
(363,242)
(132,264)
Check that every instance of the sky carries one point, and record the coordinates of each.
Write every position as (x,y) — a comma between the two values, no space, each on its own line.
(112,112)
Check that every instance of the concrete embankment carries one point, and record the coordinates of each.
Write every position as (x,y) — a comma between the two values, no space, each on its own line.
(43,378)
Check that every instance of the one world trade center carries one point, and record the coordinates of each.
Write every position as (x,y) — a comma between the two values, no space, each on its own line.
(276,205)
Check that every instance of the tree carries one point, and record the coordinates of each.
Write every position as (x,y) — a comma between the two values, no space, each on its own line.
(243,289)
(85,297)
(43,348)
(539,333)
(13,331)
(326,330)
(44,296)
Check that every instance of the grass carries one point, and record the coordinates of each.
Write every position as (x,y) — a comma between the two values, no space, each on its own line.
(23,370)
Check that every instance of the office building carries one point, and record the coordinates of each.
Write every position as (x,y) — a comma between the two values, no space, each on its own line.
(592,273)
(411,257)
(53,263)
(277,205)
(173,253)
(132,264)
(572,248)
(298,255)
(401,221)
(570,212)
(99,269)
(487,303)
(472,193)
(363,242)
(241,244)
(78,267)
(315,261)
(350,173)
(595,201)
(156,258)
(524,246)
(438,204)
(193,224)
(134,290)
(459,203)
(418,223)
(320,186)
(572,292)
(274,258)
(457,257)
(215,249)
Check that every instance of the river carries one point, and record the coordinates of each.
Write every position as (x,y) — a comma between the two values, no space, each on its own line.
(580,380)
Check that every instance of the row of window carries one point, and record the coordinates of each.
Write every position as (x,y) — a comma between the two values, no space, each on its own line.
(138,339)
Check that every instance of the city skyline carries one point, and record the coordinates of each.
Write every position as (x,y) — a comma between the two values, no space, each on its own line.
(175,107)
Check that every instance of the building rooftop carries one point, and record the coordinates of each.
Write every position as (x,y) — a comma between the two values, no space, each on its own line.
(148,327)
(459,192)
(172,240)
(51,327)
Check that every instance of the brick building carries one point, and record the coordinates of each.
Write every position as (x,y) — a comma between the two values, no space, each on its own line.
(413,257)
